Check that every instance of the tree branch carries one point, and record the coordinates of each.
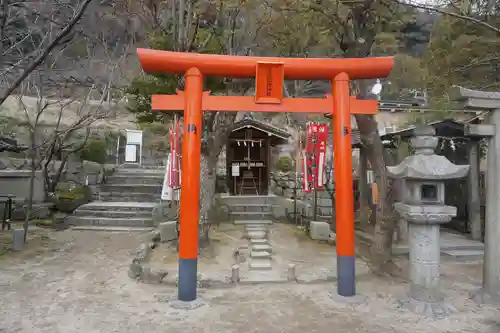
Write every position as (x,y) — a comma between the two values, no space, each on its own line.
(46,51)
(448,13)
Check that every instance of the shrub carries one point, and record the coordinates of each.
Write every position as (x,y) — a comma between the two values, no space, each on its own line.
(284,164)
(95,151)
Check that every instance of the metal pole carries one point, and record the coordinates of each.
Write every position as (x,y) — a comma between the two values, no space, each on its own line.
(344,201)
(190,186)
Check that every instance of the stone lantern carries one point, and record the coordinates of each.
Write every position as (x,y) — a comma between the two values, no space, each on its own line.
(424,210)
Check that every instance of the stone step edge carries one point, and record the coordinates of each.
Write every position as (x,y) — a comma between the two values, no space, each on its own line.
(111,228)
(260,255)
(89,212)
(260,265)
(130,185)
(71,217)
(253,222)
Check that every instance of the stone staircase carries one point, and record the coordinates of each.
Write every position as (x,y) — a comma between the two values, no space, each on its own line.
(260,248)
(125,201)
(250,207)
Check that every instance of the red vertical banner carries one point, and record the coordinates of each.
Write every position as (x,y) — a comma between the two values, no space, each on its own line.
(175,156)
(171,161)
(320,155)
(310,160)
(178,154)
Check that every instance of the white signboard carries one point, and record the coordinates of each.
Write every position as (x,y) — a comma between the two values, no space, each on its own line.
(370,177)
(235,170)
(134,137)
(131,153)
(321,170)
(167,192)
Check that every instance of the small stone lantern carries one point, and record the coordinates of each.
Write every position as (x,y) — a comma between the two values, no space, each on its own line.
(423,208)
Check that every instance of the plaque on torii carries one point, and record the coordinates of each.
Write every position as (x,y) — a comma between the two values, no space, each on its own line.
(269,74)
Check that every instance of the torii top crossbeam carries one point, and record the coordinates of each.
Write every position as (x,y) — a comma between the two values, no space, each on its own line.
(155,61)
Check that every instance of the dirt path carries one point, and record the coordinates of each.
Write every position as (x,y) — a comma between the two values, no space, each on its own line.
(81,285)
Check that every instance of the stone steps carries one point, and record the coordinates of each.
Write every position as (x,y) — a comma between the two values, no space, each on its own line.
(126,201)
(253,222)
(251,208)
(119,206)
(260,249)
(112,228)
(260,255)
(260,265)
(254,241)
(250,215)
(132,188)
(248,200)
(113,213)
(135,179)
(108,221)
(129,197)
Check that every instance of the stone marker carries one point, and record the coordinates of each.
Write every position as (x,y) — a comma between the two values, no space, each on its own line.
(319,230)
(168,231)
(235,274)
(291,276)
(423,208)
(17,239)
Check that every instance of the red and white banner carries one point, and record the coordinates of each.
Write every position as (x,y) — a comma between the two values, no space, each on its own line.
(320,154)
(172,179)
(175,157)
(314,156)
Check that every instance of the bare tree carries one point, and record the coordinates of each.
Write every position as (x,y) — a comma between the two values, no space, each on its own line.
(29,33)
(69,121)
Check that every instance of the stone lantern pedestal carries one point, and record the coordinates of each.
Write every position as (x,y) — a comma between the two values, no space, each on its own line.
(423,208)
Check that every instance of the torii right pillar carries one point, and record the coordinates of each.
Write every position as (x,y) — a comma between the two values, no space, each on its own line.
(487,101)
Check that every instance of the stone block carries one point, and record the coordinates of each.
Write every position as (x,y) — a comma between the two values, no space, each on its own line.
(164,211)
(168,231)
(142,252)
(319,230)
(155,236)
(135,269)
(150,275)
(17,239)
(279,212)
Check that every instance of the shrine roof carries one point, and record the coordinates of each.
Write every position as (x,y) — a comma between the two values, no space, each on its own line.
(261,126)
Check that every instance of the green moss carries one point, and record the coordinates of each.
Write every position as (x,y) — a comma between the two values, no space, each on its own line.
(284,164)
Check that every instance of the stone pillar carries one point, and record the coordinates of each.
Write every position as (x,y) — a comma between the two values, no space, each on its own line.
(402,152)
(473,200)
(424,210)
(487,101)
(490,291)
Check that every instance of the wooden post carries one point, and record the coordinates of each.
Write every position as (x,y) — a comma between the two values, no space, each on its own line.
(363,184)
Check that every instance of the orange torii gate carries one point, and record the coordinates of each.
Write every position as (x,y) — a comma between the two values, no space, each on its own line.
(270,74)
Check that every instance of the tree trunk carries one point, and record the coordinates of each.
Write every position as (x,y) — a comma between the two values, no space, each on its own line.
(207,197)
(29,206)
(381,248)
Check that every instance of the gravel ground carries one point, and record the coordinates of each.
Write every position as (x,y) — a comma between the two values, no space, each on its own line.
(80,284)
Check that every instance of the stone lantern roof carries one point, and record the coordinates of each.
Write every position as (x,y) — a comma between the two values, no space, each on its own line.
(424,164)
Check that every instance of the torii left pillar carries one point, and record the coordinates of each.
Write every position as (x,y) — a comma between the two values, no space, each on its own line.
(270,74)
(190,193)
